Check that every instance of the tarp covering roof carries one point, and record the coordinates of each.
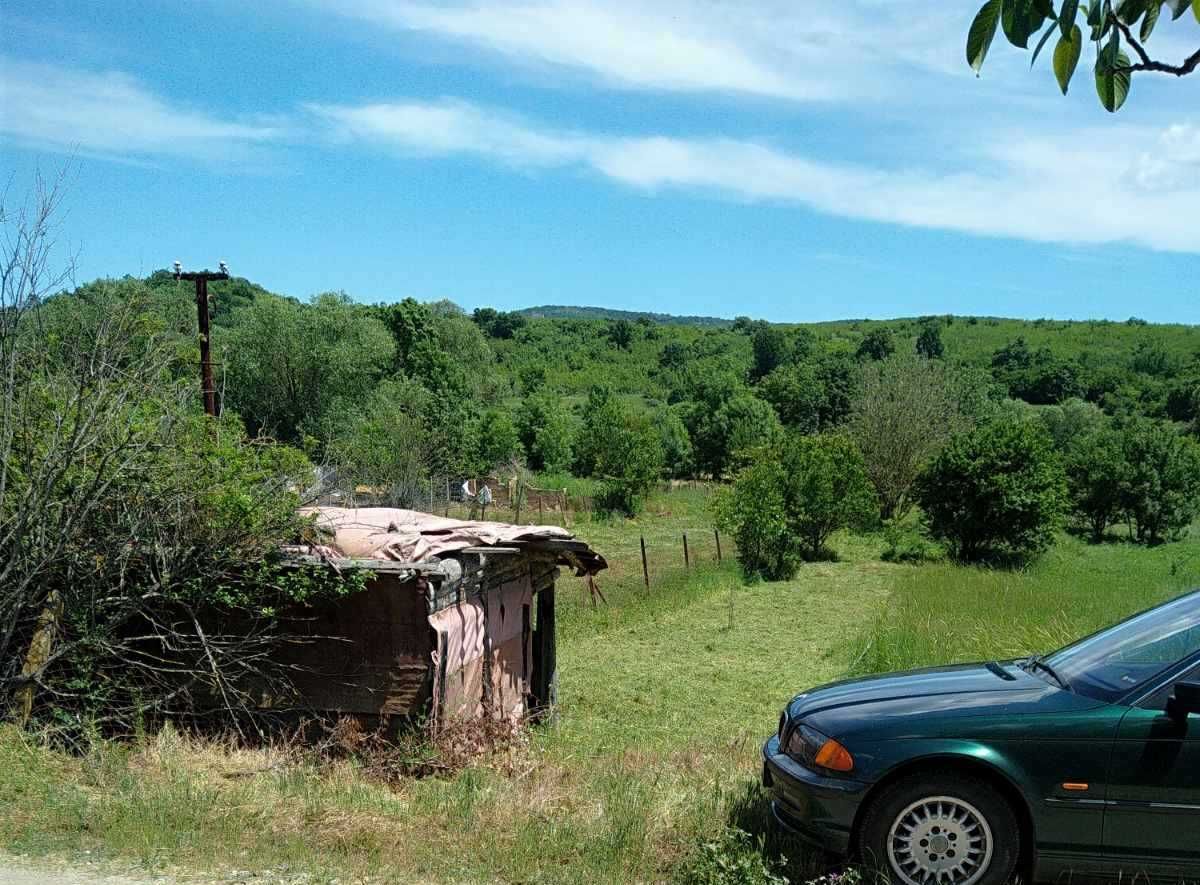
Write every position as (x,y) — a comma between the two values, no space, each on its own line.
(391,533)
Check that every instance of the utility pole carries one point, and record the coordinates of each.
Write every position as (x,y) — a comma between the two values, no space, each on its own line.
(208,388)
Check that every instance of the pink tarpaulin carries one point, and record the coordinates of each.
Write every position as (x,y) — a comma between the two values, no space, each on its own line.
(412,536)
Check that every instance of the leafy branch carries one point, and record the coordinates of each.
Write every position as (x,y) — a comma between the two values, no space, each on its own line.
(1109,22)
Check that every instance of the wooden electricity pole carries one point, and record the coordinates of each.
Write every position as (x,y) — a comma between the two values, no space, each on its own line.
(208,388)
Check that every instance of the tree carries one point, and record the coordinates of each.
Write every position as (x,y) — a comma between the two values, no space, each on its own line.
(906,409)
(496,439)
(1161,488)
(997,492)
(740,423)
(1108,26)
(1096,477)
(545,431)
(783,507)
(1071,421)
(797,395)
(384,441)
(630,462)
(288,363)
(621,334)
(877,344)
(602,413)
(929,341)
(679,460)
(771,349)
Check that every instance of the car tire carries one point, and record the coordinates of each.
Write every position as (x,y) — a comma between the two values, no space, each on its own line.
(918,826)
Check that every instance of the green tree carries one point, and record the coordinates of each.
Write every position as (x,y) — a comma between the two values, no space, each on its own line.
(621,334)
(997,492)
(602,414)
(907,408)
(771,348)
(740,423)
(1096,478)
(1071,421)
(878,344)
(1108,25)
(679,460)
(798,396)
(929,341)
(783,507)
(288,363)
(629,463)
(545,431)
(496,439)
(1161,488)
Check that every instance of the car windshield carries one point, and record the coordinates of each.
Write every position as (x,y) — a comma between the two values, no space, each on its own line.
(1121,659)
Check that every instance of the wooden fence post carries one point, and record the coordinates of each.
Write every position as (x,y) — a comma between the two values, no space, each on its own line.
(447,497)
(717,535)
(687,562)
(645,567)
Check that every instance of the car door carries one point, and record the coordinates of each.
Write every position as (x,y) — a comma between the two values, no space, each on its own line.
(1152,817)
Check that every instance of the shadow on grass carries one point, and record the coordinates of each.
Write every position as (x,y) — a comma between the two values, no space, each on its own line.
(799,861)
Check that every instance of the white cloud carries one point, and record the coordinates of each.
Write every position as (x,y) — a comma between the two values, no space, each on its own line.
(1036,187)
(772,48)
(112,113)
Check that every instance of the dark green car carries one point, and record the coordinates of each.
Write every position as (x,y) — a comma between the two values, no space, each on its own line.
(1083,762)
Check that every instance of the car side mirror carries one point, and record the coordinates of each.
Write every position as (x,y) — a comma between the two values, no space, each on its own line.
(1184,700)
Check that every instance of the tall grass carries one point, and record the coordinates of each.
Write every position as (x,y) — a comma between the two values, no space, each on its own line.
(943,613)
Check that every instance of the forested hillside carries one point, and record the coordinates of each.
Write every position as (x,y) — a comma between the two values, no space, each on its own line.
(468,392)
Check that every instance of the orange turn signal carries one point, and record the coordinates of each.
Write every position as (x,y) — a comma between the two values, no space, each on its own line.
(834,756)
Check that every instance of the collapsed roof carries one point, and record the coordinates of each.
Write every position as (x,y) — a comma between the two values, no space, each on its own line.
(394,535)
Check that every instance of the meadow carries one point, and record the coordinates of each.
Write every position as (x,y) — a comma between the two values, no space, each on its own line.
(665,697)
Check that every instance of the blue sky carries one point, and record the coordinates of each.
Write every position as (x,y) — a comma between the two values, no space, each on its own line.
(790,160)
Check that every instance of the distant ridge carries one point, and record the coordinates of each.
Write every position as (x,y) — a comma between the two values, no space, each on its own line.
(566,311)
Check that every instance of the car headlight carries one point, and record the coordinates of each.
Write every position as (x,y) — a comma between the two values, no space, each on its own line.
(814,750)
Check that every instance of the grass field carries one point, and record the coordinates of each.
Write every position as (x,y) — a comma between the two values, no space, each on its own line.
(665,697)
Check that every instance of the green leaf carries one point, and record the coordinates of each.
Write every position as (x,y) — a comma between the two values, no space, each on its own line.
(1150,20)
(1066,16)
(1111,85)
(1045,38)
(1196,9)
(1066,57)
(1178,7)
(1021,20)
(983,29)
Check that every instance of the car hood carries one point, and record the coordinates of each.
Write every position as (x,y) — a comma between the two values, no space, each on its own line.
(946,692)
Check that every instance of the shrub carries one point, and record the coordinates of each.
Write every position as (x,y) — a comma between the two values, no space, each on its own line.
(997,492)
(783,508)
(496,439)
(905,543)
(929,342)
(797,395)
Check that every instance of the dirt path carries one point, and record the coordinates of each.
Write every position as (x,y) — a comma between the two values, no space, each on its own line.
(14,871)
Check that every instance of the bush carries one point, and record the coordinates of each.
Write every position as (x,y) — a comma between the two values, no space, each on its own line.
(783,508)
(906,544)
(998,492)
(739,424)
(496,439)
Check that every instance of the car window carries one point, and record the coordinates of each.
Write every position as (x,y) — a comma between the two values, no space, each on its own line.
(1158,700)
(1117,661)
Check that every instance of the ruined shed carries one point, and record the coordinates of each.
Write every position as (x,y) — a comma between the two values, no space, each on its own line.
(457,619)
